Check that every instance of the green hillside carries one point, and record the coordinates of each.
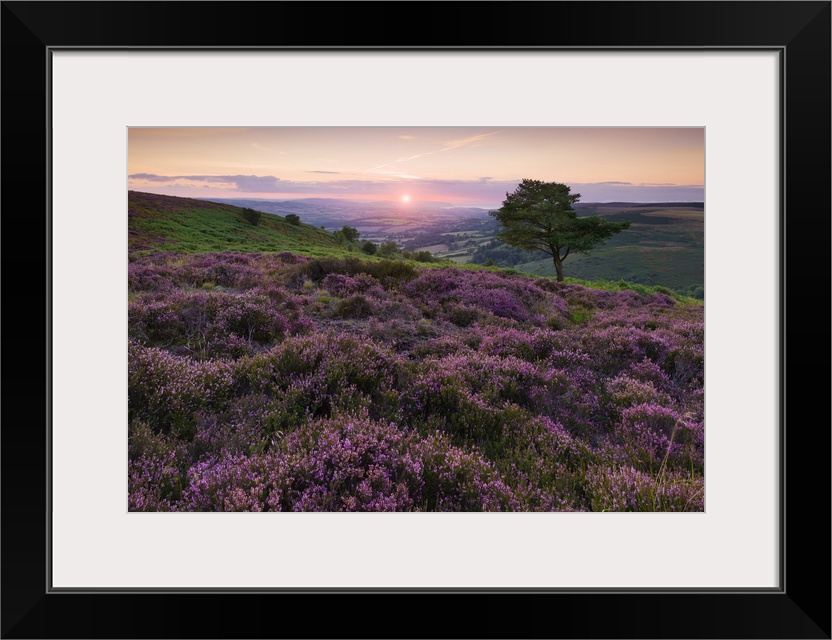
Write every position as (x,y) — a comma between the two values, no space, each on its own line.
(168,223)
(664,246)
(159,223)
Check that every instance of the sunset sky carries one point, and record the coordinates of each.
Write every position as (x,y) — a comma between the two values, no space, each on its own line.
(462,166)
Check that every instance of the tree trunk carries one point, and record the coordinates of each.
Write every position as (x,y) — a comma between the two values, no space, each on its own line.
(558,266)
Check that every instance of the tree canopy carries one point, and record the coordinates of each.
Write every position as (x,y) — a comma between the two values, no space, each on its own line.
(539,215)
(350,233)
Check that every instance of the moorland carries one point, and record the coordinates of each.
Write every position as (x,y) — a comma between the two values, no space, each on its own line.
(278,366)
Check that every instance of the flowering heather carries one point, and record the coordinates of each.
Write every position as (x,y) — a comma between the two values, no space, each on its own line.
(345,464)
(627,489)
(273,382)
(507,297)
(226,483)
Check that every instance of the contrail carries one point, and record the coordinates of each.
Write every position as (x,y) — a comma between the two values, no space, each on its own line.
(451,144)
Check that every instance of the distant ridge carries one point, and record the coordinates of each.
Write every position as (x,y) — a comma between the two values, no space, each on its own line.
(699,205)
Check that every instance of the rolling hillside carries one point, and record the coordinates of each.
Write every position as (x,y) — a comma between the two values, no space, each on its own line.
(184,225)
(664,246)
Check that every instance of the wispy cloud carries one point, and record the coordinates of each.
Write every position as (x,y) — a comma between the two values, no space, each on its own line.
(446,146)
(400,174)
(398,160)
(463,142)
(334,172)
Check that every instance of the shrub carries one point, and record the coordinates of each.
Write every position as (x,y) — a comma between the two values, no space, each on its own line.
(457,480)
(628,489)
(461,315)
(423,256)
(291,218)
(345,464)
(168,391)
(227,483)
(251,216)
(385,271)
(388,249)
(350,234)
(354,307)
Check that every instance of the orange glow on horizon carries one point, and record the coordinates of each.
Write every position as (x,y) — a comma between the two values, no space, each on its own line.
(473,166)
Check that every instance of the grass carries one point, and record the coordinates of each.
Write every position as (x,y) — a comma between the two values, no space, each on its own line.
(664,246)
(621,285)
(183,225)
(167,223)
(673,267)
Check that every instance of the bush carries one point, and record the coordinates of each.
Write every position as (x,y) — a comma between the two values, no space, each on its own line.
(628,489)
(350,234)
(383,270)
(354,307)
(345,464)
(388,249)
(369,248)
(292,219)
(251,216)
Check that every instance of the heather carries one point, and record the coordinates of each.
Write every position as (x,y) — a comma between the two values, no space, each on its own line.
(277,382)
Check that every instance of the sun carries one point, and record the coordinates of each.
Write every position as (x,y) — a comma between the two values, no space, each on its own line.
(405,198)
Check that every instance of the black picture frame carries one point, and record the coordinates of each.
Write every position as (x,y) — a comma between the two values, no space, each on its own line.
(799,608)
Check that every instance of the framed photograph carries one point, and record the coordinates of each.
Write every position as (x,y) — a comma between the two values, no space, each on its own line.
(109,109)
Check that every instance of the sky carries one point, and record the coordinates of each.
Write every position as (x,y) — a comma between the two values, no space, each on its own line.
(462,166)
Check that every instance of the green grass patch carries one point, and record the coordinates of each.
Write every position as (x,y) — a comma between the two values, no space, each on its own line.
(167,223)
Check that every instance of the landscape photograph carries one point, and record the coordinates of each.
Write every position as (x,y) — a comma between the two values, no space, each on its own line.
(416,319)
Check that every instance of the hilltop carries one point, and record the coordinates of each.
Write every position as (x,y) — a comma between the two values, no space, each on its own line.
(185,225)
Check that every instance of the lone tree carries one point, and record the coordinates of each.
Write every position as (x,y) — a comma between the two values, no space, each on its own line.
(539,215)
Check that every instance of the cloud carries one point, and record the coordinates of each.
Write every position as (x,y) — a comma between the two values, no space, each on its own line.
(670,184)
(400,174)
(337,172)
(446,146)
(483,191)
(150,177)
(397,160)
(629,192)
(462,142)
(249,184)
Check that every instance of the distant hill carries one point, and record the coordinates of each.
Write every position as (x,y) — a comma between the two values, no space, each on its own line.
(662,205)
(169,223)
(665,245)
(379,220)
